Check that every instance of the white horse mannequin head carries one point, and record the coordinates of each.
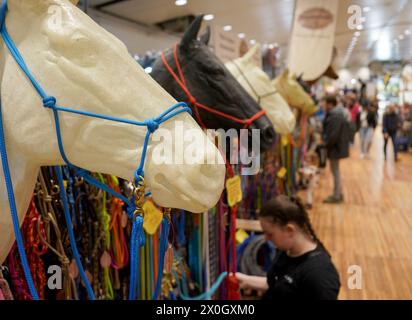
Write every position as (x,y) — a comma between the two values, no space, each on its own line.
(293,92)
(87,68)
(275,106)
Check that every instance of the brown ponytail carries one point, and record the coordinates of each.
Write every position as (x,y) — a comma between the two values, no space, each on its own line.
(283,210)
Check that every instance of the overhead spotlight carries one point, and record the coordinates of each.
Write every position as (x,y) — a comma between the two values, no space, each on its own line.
(366,9)
(209,17)
(252,41)
(359,27)
(407,32)
(227,27)
(353,81)
(357,34)
(148,69)
(180,2)
(241,35)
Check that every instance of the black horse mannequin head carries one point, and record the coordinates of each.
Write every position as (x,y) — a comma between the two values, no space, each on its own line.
(211,84)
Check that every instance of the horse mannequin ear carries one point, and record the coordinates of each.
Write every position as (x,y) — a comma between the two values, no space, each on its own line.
(249,57)
(191,32)
(205,37)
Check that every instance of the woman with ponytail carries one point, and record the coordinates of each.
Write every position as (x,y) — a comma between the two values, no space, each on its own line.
(302,268)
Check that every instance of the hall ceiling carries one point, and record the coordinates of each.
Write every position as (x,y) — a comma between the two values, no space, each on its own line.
(384,35)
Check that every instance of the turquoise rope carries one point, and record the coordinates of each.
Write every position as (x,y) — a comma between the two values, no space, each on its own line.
(207,294)
(164,240)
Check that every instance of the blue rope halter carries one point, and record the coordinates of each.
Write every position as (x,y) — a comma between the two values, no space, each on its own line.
(137,237)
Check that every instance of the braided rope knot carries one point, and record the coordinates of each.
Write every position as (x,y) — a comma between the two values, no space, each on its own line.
(192,100)
(152,125)
(49,102)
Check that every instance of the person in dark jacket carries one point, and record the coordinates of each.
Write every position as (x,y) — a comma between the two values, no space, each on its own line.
(391,124)
(337,137)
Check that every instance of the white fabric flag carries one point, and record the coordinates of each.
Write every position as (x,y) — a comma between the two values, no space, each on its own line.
(313,36)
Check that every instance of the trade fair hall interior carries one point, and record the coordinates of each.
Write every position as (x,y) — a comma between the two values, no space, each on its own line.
(206,150)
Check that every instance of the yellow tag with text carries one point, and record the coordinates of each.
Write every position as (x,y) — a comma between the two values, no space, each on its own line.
(234,190)
(152,217)
(241,235)
(284,140)
(282,172)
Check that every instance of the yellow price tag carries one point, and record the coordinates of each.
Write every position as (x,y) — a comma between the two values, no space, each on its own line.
(284,140)
(282,172)
(152,217)
(241,235)
(234,190)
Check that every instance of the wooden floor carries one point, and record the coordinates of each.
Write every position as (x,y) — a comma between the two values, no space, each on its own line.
(373,228)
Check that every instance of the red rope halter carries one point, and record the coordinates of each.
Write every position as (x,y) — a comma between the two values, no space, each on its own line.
(192,100)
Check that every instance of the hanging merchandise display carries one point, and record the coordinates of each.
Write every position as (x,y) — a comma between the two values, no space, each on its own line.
(34,141)
(115,236)
(133,207)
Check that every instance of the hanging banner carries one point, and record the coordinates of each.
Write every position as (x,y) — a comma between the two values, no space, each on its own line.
(226,45)
(313,36)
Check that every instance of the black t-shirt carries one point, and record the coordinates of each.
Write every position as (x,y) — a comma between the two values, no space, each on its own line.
(310,276)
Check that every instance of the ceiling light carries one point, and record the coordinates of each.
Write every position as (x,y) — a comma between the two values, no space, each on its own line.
(180,2)
(359,27)
(407,32)
(401,37)
(209,17)
(353,81)
(357,34)
(252,41)
(271,46)
(241,35)
(227,27)
(366,9)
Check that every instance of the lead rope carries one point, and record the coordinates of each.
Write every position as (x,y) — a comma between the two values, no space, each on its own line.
(50,102)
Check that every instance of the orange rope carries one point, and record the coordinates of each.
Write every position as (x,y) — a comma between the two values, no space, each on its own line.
(118,245)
